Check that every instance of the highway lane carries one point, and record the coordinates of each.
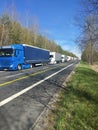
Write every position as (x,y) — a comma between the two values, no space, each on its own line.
(22,111)
(6,76)
(9,86)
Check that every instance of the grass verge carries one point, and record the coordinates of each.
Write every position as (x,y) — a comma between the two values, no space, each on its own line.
(77,108)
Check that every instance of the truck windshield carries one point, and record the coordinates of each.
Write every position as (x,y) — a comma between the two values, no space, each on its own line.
(6,52)
(51,56)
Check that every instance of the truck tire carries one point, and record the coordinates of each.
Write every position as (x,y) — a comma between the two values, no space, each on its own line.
(19,67)
(31,65)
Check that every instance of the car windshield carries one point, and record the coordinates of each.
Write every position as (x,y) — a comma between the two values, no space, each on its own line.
(6,52)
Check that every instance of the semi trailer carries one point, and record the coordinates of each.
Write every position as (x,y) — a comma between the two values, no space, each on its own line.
(21,56)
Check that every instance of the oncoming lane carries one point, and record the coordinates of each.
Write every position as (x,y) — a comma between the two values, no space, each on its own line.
(10,87)
(13,76)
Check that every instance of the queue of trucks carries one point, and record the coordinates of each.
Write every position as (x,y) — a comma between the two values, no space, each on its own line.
(22,56)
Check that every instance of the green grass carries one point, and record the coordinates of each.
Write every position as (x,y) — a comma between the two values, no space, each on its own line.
(77,108)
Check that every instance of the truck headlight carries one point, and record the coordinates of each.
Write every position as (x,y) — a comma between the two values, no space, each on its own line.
(11,65)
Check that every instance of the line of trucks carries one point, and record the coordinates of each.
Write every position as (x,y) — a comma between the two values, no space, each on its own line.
(22,56)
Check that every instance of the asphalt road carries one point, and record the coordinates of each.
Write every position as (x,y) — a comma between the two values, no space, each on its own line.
(24,94)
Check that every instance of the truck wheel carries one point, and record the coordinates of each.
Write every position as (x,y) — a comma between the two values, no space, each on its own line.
(31,65)
(19,67)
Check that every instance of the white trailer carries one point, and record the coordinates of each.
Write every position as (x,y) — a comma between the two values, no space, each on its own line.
(64,58)
(55,58)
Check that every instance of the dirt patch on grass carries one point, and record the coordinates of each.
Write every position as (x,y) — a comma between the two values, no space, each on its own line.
(46,120)
(95,67)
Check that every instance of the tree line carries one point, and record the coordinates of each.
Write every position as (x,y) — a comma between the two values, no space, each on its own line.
(88,24)
(12,32)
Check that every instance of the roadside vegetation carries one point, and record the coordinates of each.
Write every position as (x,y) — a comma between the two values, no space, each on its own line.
(77,108)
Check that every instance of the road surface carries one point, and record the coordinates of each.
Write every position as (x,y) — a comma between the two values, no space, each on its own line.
(24,94)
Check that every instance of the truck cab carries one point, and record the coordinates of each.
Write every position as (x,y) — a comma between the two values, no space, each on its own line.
(11,57)
(55,57)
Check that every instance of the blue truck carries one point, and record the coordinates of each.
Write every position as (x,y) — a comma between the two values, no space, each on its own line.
(21,56)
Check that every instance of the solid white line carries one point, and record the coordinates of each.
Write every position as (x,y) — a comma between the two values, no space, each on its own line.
(5,101)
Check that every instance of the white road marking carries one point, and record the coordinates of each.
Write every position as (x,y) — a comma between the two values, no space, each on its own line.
(5,101)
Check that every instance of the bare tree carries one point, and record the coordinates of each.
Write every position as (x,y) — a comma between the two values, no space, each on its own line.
(5,23)
(88,24)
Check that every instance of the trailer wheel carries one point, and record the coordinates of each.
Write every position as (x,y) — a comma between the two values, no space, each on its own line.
(19,67)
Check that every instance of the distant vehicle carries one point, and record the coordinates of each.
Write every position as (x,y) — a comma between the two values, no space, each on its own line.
(63,58)
(55,58)
(21,56)
(69,58)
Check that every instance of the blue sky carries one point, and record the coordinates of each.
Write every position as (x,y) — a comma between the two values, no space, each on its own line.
(54,17)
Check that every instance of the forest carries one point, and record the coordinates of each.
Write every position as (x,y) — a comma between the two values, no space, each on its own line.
(13,32)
